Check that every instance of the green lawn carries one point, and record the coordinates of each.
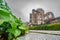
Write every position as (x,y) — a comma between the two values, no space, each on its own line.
(55,26)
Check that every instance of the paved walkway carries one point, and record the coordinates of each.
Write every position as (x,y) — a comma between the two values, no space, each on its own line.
(41,35)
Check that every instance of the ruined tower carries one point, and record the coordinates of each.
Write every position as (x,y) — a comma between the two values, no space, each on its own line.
(39,17)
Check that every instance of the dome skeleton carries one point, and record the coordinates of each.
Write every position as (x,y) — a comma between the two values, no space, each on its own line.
(38,16)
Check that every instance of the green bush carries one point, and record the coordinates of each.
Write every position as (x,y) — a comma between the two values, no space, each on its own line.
(10,26)
(55,26)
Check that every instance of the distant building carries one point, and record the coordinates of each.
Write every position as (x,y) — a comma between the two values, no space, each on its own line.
(58,18)
(39,17)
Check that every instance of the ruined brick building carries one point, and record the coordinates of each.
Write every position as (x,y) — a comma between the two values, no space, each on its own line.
(38,16)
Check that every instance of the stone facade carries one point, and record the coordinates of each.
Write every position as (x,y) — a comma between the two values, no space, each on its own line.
(39,17)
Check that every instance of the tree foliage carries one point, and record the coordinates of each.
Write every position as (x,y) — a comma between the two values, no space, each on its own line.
(10,25)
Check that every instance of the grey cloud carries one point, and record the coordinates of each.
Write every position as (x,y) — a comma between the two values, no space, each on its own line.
(18,5)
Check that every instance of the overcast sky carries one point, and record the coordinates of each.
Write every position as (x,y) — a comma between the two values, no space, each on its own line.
(22,8)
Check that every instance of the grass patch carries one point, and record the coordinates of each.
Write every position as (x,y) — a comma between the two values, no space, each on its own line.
(55,26)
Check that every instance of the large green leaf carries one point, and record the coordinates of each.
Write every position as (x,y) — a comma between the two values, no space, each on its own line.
(10,23)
